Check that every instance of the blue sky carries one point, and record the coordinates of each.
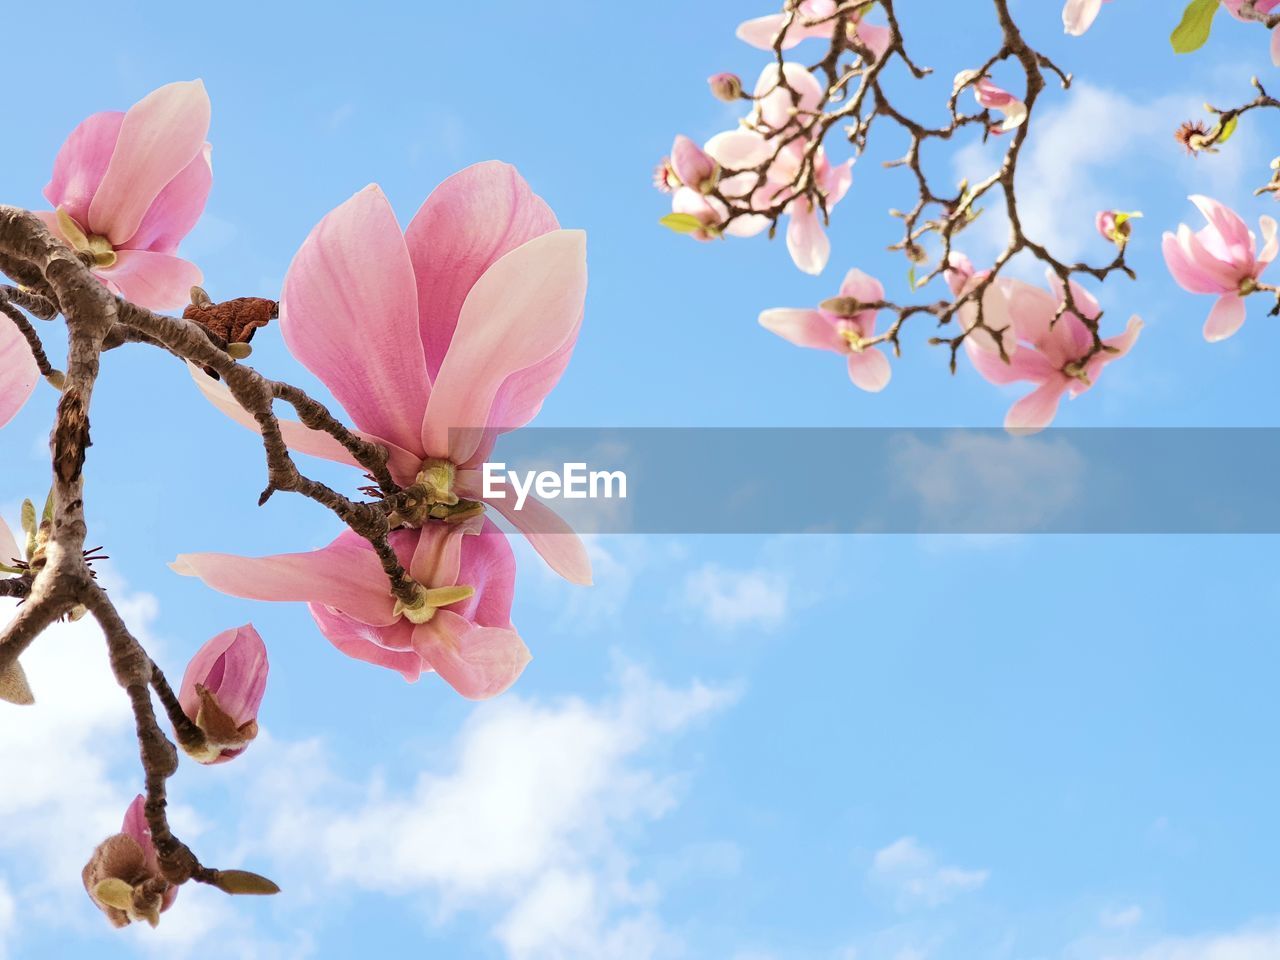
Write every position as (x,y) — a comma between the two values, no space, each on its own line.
(735,748)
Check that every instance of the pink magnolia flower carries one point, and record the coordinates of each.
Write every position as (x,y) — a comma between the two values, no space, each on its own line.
(992,97)
(763,31)
(123,876)
(693,166)
(127,187)
(222,690)
(1264,7)
(18,371)
(460,628)
(748,149)
(1116,225)
(1222,258)
(840,327)
(1050,354)
(437,339)
(1078,15)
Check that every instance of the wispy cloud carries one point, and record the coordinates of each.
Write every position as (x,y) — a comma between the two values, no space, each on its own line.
(914,876)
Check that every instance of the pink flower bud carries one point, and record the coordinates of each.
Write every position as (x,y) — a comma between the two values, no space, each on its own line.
(992,97)
(725,86)
(222,690)
(123,876)
(693,165)
(1116,225)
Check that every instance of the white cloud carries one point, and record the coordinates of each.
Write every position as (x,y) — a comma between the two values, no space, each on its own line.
(1260,943)
(524,817)
(738,598)
(8,911)
(1121,918)
(912,873)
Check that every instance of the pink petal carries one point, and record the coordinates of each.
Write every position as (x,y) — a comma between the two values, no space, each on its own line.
(1186,271)
(404,466)
(177,208)
(775,106)
(349,313)
(1024,364)
(82,162)
(1078,15)
(862,287)
(1226,317)
(876,38)
(388,646)
(346,575)
(804,328)
(869,370)
(161,134)
(739,150)
(520,312)
(239,681)
(547,532)
(1232,230)
(806,239)
(1036,410)
(157,281)
(471,220)
(478,662)
(18,371)
(1275,47)
(9,550)
(1271,243)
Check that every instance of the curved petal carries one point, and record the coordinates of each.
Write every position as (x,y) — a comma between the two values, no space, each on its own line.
(157,281)
(9,550)
(524,308)
(876,38)
(862,287)
(300,438)
(1184,268)
(389,646)
(478,662)
(177,208)
(1078,15)
(467,223)
(1226,317)
(1271,243)
(739,150)
(1024,364)
(18,371)
(82,163)
(870,370)
(806,239)
(349,313)
(1230,228)
(804,328)
(776,104)
(345,575)
(160,135)
(240,681)
(1037,409)
(547,532)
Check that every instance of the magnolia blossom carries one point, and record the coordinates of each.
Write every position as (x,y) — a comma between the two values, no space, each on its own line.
(1223,259)
(437,339)
(460,625)
(127,187)
(222,690)
(1078,15)
(725,86)
(765,144)
(1043,348)
(841,325)
(123,876)
(1116,225)
(1264,7)
(762,32)
(992,97)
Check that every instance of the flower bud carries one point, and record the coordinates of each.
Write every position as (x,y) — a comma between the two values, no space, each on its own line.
(221,692)
(693,166)
(123,876)
(725,86)
(1116,225)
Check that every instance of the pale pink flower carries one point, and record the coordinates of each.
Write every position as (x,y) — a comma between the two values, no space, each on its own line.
(123,876)
(18,371)
(992,97)
(1050,354)
(129,186)
(10,552)
(1116,225)
(841,328)
(437,339)
(1078,15)
(1262,6)
(1223,259)
(222,690)
(763,31)
(749,149)
(461,629)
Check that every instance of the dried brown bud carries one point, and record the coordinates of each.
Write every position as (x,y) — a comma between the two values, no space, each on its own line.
(841,306)
(70,436)
(244,883)
(1192,135)
(123,884)
(232,321)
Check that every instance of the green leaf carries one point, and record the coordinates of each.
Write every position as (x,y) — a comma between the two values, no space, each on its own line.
(681,222)
(1228,129)
(1192,32)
